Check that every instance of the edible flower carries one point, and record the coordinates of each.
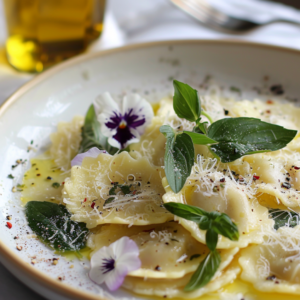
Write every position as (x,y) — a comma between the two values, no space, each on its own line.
(93,152)
(111,264)
(123,123)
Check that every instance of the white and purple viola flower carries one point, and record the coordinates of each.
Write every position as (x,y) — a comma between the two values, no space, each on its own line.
(93,152)
(111,264)
(123,124)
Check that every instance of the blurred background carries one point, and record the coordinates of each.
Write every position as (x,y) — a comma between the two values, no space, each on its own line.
(36,34)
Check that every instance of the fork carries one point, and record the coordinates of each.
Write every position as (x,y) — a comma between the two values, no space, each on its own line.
(208,15)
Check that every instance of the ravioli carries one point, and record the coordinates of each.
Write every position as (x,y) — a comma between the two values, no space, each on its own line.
(274,266)
(66,142)
(284,114)
(151,144)
(211,190)
(86,191)
(123,195)
(170,288)
(166,250)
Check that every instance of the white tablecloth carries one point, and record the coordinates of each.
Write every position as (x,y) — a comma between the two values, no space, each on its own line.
(132,21)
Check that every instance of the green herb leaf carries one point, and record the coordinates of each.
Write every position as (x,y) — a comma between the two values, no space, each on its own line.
(243,136)
(204,272)
(186,102)
(284,218)
(211,239)
(109,200)
(201,127)
(92,136)
(200,139)
(223,225)
(188,212)
(179,157)
(51,222)
(126,189)
(10,176)
(194,256)
(112,191)
(55,185)
(205,223)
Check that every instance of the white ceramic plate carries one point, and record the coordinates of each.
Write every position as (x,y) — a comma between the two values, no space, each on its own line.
(68,89)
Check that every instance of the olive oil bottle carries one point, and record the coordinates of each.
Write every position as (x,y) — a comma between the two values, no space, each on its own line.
(44,32)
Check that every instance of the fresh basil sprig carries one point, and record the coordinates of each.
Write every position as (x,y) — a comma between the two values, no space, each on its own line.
(179,157)
(51,223)
(92,136)
(205,272)
(186,102)
(228,139)
(214,223)
(200,139)
(284,218)
(237,137)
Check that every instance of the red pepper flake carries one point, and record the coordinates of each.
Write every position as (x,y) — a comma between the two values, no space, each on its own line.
(296,168)
(134,192)
(270,102)
(63,182)
(255,177)
(222,180)
(268,111)
(93,205)
(84,200)
(8,225)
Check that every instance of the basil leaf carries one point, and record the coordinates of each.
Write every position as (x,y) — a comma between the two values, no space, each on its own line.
(186,102)
(204,223)
(223,225)
(168,132)
(92,136)
(179,157)
(195,256)
(243,136)
(188,212)
(203,127)
(51,222)
(284,218)
(108,200)
(112,190)
(126,189)
(205,272)
(211,239)
(200,139)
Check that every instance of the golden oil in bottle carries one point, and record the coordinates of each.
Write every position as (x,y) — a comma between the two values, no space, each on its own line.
(44,32)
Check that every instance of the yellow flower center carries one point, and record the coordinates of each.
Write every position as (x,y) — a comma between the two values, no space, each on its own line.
(122,125)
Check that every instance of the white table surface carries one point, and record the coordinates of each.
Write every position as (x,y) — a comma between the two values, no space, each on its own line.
(163,21)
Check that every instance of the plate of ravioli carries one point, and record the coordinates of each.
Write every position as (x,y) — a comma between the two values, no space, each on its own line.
(161,170)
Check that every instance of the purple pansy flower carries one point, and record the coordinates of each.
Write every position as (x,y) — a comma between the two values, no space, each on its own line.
(111,264)
(123,124)
(93,152)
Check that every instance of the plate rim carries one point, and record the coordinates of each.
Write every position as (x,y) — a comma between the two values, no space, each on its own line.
(12,258)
